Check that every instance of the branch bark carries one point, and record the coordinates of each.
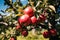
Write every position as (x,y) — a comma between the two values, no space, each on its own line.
(4,23)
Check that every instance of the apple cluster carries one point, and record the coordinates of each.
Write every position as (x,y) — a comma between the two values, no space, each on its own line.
(51,32)
(29,18)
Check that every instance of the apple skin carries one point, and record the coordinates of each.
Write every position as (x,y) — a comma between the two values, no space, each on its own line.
(29,11)
(24,20)
(28,22)
(18,27)
(33,20)
(53,32)
(24,33)
(12,38)
(46,34)
(41,18)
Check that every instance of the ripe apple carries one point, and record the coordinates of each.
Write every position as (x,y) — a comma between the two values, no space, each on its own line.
(28,22)
(29,11)
(18,27)
(42,18)
(24,32)
(12,38)
(53,32)
(24,20)
(46,34)
(33,19)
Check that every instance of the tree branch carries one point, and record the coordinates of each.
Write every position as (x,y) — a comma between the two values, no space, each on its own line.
(4,23)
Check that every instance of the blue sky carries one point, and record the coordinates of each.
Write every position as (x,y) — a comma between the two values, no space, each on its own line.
(3,7)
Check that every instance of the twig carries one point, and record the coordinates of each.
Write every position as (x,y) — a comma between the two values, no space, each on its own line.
(4,23)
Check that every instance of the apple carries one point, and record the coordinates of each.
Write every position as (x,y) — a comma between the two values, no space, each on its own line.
(29,11)
(41,18)
(28,22)
(33,19)
(24,33)
(24,20)
(46,34)
(53,32)
(12,38)
(18,27)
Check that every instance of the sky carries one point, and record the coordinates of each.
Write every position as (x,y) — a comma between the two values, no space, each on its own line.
(3,7)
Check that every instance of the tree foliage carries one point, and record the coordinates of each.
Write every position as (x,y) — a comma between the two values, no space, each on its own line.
(15,10)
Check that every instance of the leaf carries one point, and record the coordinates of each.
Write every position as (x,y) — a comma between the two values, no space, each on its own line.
(9,10)
(19,14)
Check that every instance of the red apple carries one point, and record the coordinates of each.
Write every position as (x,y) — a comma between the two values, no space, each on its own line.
(12,38)
(24,20)
(46,34)
(29,11)
(53,32)
(33,19)
(42,18)
(28,22)
(18,27)
(24,32)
